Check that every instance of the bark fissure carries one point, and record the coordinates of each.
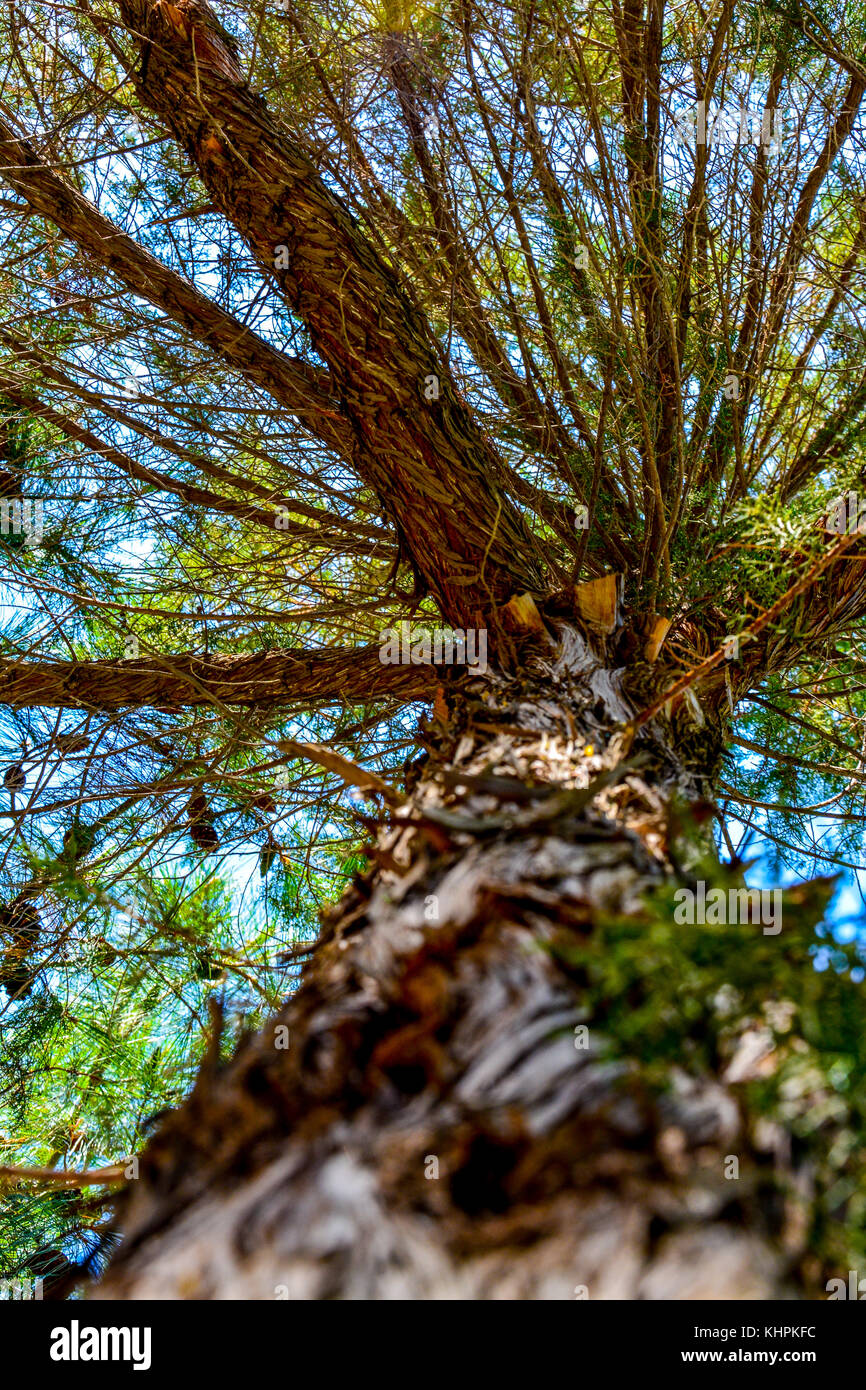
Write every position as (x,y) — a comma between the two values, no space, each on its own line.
(436,1021)
(270,679)
(418,445)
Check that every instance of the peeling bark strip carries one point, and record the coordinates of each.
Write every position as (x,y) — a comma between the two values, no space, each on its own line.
(275,678)
(425,457)
(418,1121)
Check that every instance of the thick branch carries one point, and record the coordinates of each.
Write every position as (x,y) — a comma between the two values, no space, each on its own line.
(419,447)
(269,679)
(301,388)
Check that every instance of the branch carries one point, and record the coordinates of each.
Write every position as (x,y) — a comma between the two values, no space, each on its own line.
(351,773)
(784,278)
(47,368)
(188,492)
(423,454)
(64,1177)
(804,764)
(302,389)
(818,614)
(271,679)
(831,442)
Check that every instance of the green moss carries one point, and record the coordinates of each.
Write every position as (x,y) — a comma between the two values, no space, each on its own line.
(666,995)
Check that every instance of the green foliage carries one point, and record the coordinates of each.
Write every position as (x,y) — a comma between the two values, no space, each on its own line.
(166,861)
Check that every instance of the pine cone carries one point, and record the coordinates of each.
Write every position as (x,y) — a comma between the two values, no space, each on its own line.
(16,977)
(79,841)
(20,920)
(71,743)
(203,834)
(15,778)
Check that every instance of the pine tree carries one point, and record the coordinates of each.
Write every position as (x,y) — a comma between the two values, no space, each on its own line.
(336,339)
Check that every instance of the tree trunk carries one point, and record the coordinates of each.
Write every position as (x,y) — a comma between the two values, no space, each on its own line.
(434,1114)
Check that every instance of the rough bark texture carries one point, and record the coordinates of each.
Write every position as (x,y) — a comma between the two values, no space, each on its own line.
(277,678)
(437,1020)
(418,445)
(302,389)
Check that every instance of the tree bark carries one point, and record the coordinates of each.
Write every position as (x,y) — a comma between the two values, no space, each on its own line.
(272,679)
(420,1120)
(301,388)
(418,444)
